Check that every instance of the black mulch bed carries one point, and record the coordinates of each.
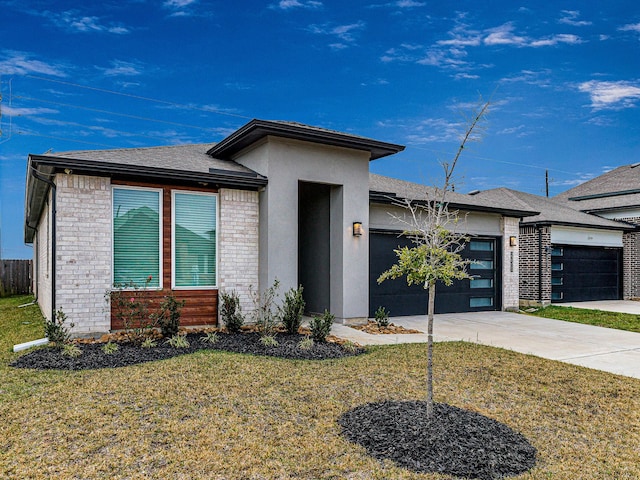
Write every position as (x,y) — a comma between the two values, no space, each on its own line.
(93,357)
(455,441)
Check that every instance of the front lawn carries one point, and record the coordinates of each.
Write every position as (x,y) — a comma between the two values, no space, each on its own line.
(599,318)
(221,415)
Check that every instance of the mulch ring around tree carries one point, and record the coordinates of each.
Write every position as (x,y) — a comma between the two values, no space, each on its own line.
(373,328)
(93,357)
(454,441)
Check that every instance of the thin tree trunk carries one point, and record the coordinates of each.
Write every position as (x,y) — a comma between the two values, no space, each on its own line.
(431,308)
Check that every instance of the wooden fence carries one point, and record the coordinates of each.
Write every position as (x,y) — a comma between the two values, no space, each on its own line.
(15,277)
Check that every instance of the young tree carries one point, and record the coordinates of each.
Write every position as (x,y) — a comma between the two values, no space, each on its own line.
(435,256)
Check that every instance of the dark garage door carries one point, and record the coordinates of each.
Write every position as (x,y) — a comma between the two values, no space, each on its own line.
(580,274)
(479,294)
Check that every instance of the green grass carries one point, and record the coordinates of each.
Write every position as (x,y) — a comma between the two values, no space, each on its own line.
(218,415)
(620,321)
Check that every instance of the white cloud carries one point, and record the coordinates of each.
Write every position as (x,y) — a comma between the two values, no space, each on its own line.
(465,76)
(26,112)
(73,21)
(290,4)
(178,3)
(21,63)
(611,95)
(570,17)
(631,27)
(346,33)
(407,4)
(554,40)
(503,35)
(120,68)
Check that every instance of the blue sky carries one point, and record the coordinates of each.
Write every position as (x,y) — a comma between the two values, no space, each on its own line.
(563,77)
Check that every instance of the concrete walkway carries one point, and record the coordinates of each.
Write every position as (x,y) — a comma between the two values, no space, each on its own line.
(605,349)
(621,306)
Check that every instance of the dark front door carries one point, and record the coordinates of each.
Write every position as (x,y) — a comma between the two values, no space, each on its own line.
(478,294)
(581,274)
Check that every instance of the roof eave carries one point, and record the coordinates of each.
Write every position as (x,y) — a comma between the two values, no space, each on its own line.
(550,223)
(258,129)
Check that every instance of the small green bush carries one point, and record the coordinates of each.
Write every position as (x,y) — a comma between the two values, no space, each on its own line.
(321,326)
(169,316)
(306,343)
(178,341)
(265,314)
(149,343)
(292,309)
(382,317)
(110,348)
(269,341)
(230,311)
(210,338)
(349,346)
(71,350)
(56,329)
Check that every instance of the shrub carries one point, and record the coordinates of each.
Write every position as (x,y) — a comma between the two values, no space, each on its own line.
(210,338)
(264,313)
(382,317)
(350,347)
(230,311)
(292,309)
(110,348)
(71,350)
(56,329)
(269,341)
(306,343)
(178,341)
(149,343)
(130,304)
(321,326)
(169,317)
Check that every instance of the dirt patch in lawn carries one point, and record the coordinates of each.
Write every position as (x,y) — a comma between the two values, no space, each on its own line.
(391,329)
(92,355)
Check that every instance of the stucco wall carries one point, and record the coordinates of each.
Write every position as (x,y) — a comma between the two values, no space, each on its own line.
(286,163)
(238,239)
(83,250)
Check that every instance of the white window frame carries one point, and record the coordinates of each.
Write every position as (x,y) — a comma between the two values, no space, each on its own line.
(173,239)
(160,237)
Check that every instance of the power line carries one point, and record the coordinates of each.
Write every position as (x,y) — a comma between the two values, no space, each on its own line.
(139,97)
(107,112)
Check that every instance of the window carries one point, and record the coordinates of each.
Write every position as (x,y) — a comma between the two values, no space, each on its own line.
(556,281)
(556,296)
(482,283)
(481,265)
(481,302)
(137,227)
(194,240)
(557,251)
(557,267)
(481,245)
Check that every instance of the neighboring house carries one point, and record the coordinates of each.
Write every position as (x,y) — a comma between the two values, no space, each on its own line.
(567,255)
(273,200)
(614,195)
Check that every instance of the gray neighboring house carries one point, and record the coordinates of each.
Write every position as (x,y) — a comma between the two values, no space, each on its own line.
(567,255)
(273,200)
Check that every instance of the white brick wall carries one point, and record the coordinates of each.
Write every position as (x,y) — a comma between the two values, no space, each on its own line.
(83,256)
(238,258)
(43,261)
(510,264)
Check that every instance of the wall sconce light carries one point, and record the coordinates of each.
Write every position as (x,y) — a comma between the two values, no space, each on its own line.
(513,241)
(357,229)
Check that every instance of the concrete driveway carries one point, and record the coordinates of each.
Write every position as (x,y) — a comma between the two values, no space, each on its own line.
(605,349)
(621,306)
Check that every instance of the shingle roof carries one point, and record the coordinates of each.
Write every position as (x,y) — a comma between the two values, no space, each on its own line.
(191,158)
(419,192)
(615,189)
(551,211)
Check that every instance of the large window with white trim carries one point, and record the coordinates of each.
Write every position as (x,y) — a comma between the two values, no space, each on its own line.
(137,234)
(194,239)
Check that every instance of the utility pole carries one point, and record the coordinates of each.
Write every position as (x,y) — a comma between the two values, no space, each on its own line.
(546,182)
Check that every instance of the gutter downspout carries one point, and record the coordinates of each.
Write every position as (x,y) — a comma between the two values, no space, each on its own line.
(48,181)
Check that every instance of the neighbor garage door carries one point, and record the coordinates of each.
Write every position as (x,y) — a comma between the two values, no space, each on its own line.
(580,274)
(479,294)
